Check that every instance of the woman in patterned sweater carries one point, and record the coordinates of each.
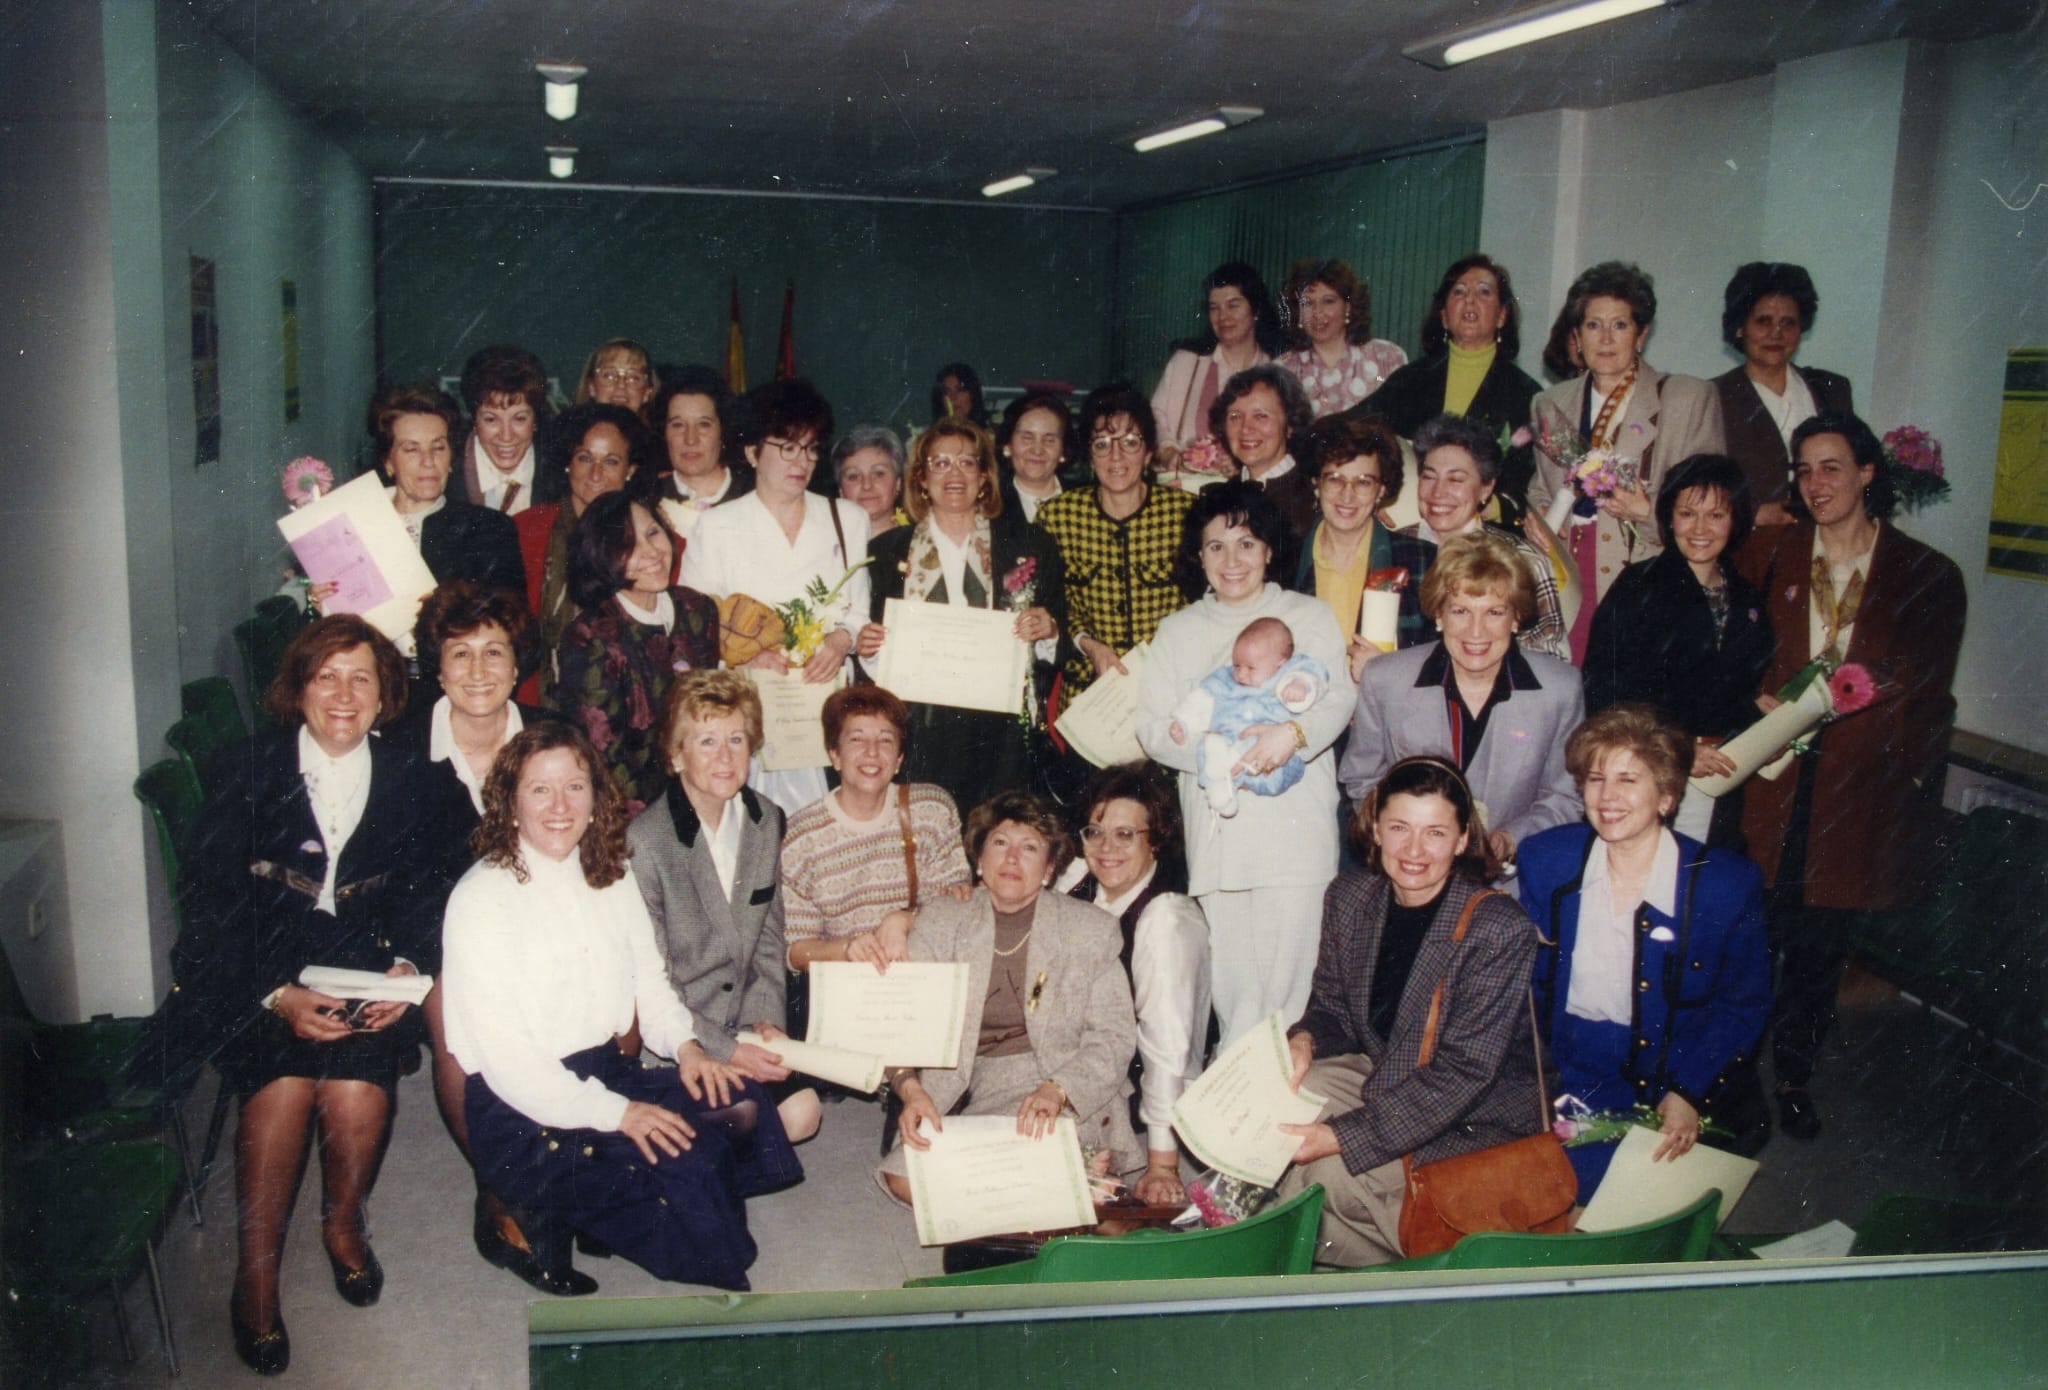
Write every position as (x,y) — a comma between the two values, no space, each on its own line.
(1117,537)
(847,858)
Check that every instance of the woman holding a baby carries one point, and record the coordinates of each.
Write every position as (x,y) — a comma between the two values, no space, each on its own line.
(1258,786)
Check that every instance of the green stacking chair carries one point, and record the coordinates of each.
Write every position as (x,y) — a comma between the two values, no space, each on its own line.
(1682,1236)
(1279,1240)
(81,1219)
(262,639)
(211,700)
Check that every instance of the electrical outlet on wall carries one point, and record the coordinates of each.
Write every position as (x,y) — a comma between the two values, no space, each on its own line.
(38,918)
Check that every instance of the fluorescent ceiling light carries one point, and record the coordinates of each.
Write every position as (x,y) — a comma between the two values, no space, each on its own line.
(1035,174)
(1529,26)
(561,160)
(559,95)
(1221,119)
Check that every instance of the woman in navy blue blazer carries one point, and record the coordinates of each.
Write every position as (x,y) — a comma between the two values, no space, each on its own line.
(1653,979)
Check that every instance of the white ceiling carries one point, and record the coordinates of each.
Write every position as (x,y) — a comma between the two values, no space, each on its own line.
(933,98)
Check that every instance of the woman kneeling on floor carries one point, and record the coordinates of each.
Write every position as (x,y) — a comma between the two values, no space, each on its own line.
(549,952)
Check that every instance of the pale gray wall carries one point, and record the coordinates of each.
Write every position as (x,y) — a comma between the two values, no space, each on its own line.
(1865,166)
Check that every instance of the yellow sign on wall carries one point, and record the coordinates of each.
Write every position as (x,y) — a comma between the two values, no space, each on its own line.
(2019,499)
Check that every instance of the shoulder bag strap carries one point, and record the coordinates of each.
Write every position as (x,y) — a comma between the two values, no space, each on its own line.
(909,841)
(1436,1000)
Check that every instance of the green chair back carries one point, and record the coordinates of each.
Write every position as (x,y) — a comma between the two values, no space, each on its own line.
(170,790)
(1281,1240)
(262,639)
(211,700)
(1682,1236)
(1903,1223)
(209,762)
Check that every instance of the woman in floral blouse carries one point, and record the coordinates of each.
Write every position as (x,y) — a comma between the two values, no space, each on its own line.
(966,551)
(634,634)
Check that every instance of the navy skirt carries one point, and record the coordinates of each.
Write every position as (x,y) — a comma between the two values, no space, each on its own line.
(683,1218)
(1592,1063)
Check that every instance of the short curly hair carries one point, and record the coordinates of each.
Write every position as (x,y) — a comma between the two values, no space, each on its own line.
(1142,783)
(850,702)
(1335,440)
(1339,276)
(1238,503)
(1032,812)
(565,434)
(504,369)
(1760,278)
(320,640)
(707,694)
(1294,401)
(1631,284)
(414,399)
(496,839)
(460,607)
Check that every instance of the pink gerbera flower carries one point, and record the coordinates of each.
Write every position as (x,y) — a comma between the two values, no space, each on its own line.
(1851,688)
(305,479)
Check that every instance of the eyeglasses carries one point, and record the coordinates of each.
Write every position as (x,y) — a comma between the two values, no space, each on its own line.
(1121,443)
(1125,836)
(790,451)
(1342,485)
(621,376)
(952,463)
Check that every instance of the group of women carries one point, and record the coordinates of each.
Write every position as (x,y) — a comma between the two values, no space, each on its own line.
(576,835)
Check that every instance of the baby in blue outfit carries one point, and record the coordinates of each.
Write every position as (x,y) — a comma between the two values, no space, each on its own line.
(1265,683)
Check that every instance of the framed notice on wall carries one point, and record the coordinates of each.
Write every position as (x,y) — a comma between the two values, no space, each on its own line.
(2019,499)
(205,366)
(291,351)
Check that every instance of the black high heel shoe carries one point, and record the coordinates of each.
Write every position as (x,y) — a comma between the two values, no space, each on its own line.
(496,1249)
(266,1353)
(360,1287)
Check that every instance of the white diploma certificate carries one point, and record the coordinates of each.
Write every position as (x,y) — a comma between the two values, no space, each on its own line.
(1379,618)
(910,1017)
(1764,740)
(966,658)
(367,984)
(857,1071)
(982,1178)
(1102,722)
(1636,1190)
(792,718)
(352,537)
(1230,1116)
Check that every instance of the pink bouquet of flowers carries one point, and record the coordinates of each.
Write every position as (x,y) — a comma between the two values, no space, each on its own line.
(1590,474)
(1208,457)
(1912,459)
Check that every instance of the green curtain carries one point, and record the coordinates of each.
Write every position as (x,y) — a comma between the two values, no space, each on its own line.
(1398,222)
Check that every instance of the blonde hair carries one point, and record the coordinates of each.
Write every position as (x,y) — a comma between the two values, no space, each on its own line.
(1480,562)
(707,695)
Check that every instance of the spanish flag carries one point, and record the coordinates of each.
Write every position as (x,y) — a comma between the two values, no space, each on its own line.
(735,348)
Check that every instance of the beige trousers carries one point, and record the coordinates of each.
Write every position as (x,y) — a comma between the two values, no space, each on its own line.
(1361,1211)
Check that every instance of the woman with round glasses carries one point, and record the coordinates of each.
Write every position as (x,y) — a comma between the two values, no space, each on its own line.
(620,372)
(1118,538)
(774,542)
(1131,868)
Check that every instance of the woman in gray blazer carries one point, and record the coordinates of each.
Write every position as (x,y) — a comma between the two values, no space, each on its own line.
(706,855)
(1496,713)
(1049,1028)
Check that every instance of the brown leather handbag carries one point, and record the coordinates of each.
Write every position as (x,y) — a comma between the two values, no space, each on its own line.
(1526,1184)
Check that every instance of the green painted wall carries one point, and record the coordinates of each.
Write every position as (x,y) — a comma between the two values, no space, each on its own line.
(1398,222)
(885,292)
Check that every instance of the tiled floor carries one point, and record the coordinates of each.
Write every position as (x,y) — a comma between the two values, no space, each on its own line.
(1909,1105)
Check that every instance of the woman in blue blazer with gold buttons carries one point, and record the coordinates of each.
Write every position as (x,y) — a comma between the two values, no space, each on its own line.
(1653,979)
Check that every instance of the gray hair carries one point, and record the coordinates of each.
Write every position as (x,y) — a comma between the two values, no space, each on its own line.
(866,437)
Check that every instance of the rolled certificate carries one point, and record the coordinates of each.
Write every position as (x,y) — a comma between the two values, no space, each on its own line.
(1559,514)
(857,1071)
(1770,736)
(369,985)
(1379,617)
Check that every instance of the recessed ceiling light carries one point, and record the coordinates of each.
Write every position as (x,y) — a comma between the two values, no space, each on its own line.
(559,95)
(1222,118)
(1522,27)
(1035,174)
(561,160)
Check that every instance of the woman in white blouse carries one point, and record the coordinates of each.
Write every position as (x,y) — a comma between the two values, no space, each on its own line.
(774,542)
(549,955)
(1131,868)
